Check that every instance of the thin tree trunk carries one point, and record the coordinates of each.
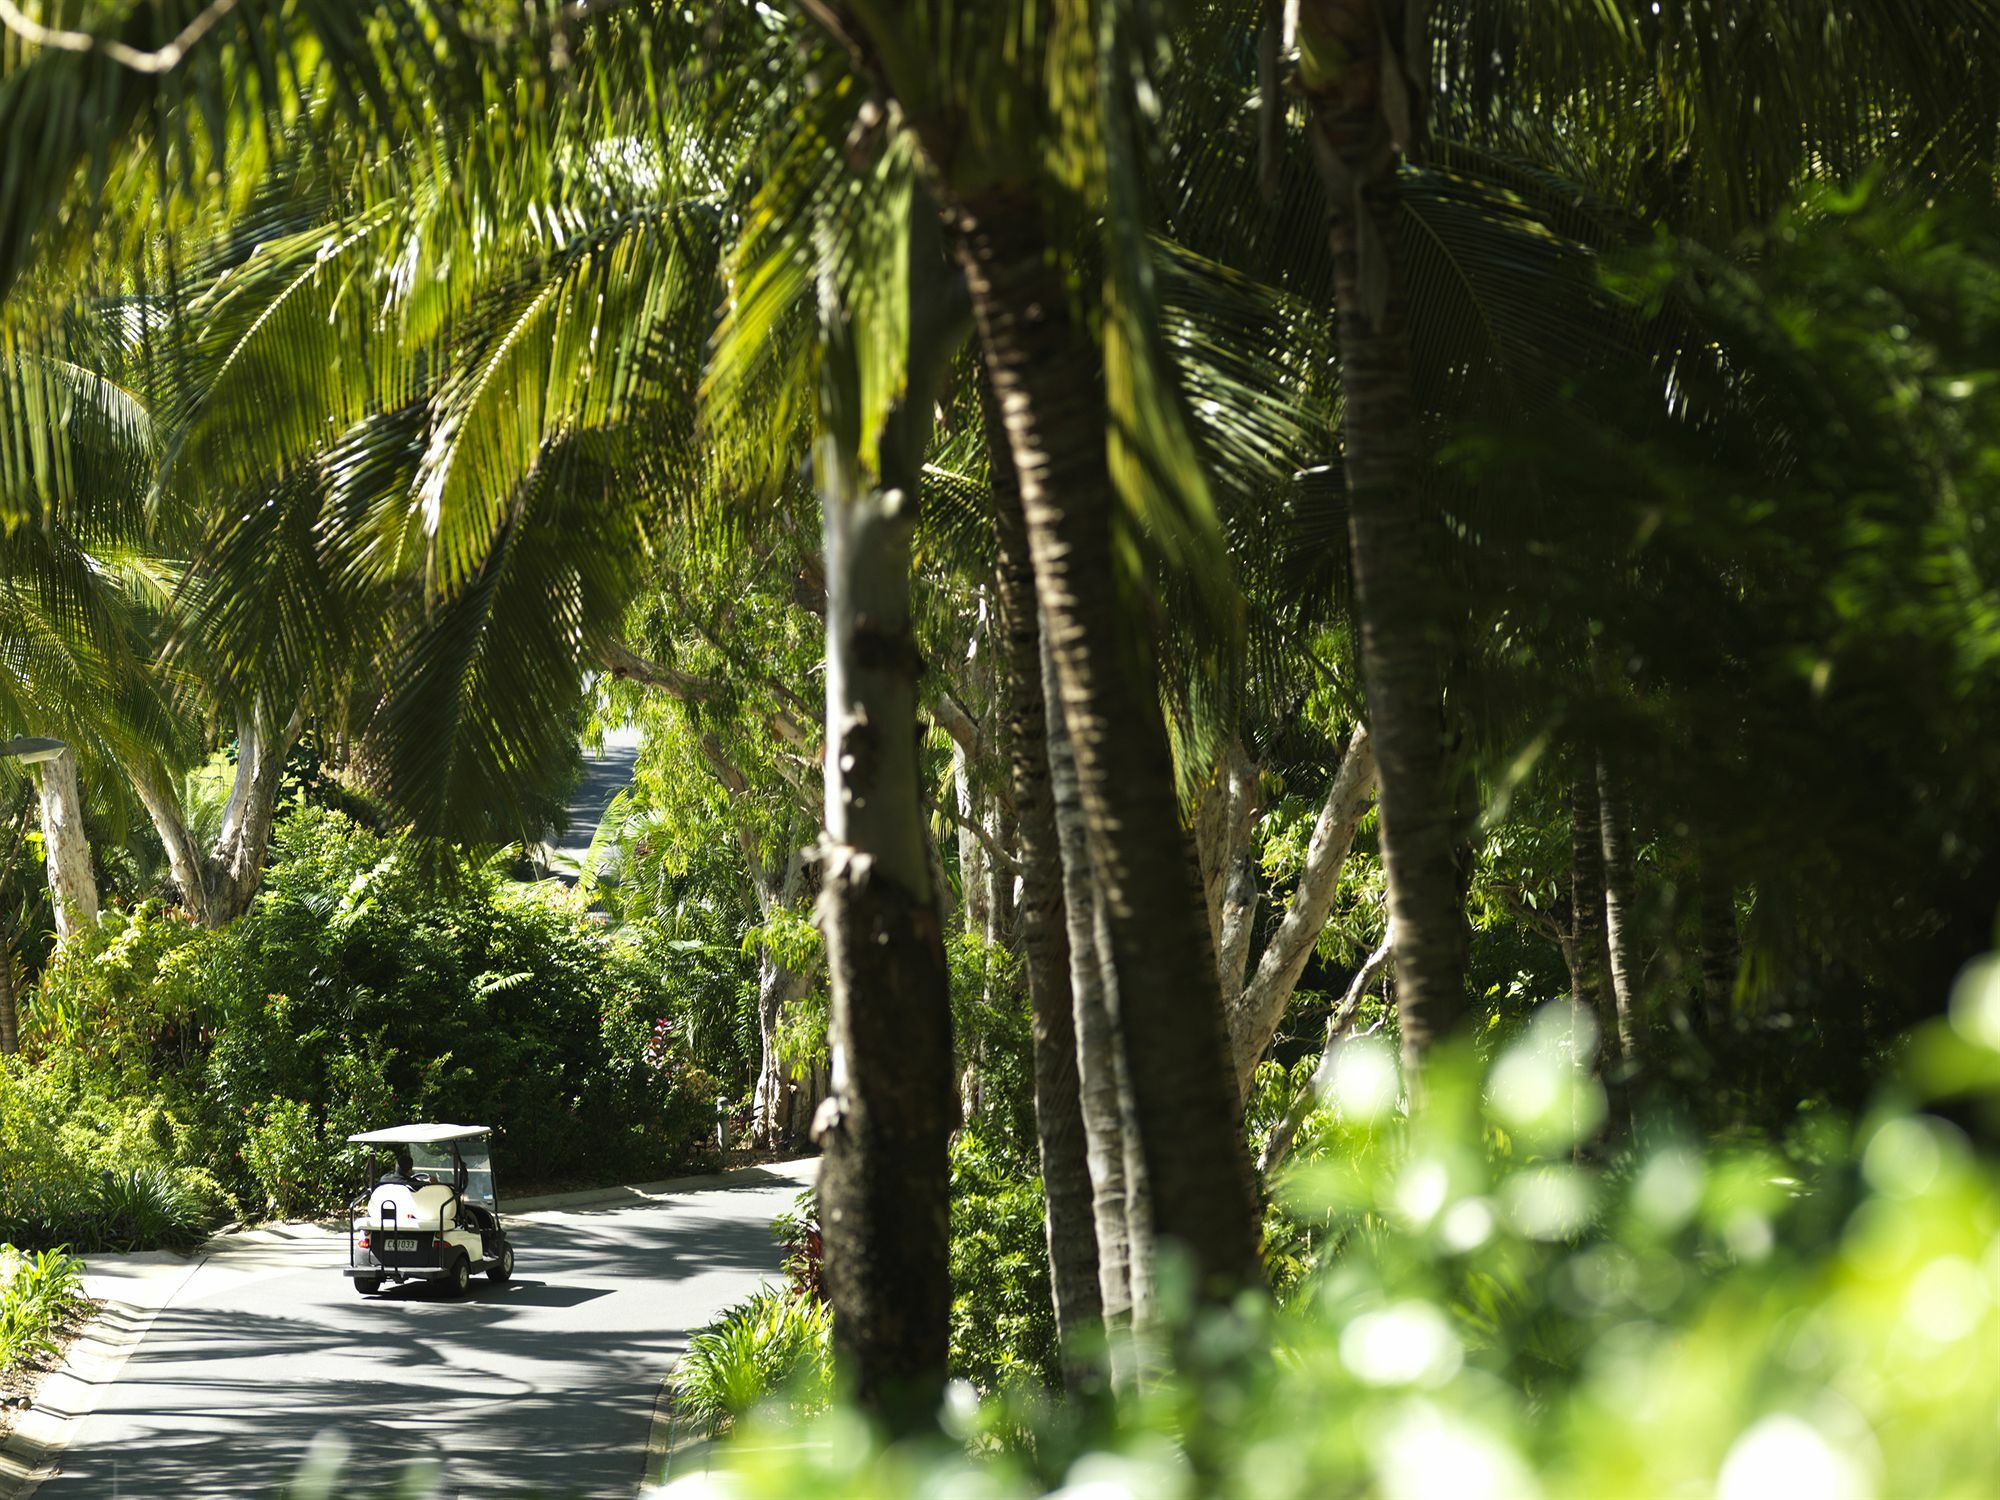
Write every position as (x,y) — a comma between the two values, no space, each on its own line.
(1314,1093)
(971,854)
(885,1181)
(1399,598)
(184,857)
(1591,941)
(1223,824)
(218,883)
(1619,894)
(1586,909)
(1059,1127)
(1096,1037)
(244,841)
(1255,1014)
(1045,376)
(1002,903)
(72,882)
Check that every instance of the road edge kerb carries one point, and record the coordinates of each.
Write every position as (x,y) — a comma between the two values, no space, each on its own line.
(34,1449)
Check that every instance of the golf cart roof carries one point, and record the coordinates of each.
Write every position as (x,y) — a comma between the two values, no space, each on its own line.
(420,1135)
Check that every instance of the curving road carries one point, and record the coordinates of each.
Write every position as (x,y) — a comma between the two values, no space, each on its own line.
(606,773)
(544,1386)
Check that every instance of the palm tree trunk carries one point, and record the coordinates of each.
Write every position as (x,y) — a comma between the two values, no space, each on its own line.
(1398,596)
(1045,376)
(885,1180)
(1059,1128)
(72,882)
(1097,1063)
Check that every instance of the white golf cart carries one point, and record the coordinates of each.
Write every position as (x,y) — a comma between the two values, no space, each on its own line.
(433,1216)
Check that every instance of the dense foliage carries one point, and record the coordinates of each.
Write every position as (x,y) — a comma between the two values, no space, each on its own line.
(1485,1315)
(39,1295)
(171,1071)
(1317,687)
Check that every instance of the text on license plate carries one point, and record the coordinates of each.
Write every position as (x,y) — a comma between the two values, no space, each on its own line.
(403,1245)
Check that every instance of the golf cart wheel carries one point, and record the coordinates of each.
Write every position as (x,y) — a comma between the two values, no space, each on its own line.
(503,1268)
(368,1286)
(461,1277)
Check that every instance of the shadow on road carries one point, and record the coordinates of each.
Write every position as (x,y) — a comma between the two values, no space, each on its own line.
(541,1386)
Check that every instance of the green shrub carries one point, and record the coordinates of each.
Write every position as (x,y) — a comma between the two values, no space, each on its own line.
(296,1164)
(145,1208)
(1003,1324)
(38,1293)
(84,1169)
(773,1348)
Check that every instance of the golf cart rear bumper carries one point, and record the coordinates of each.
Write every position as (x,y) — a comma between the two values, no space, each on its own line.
(397,1273)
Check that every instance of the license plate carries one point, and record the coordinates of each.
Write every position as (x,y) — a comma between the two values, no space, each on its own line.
(403,1246)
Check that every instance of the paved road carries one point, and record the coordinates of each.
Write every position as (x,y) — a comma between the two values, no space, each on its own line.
(604,777)
(544,1386)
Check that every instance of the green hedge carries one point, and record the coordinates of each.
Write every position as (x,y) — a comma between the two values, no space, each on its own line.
(374,980)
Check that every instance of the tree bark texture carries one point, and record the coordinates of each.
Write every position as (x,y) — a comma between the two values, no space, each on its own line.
(1586,914)
(1097,1058)
(1045,376)
(1399,596)
(218,883)
(1224,822)
(971,853)
(1255,1013)
(885,1179)
(72,882)
(1059,1128)
(1620,892)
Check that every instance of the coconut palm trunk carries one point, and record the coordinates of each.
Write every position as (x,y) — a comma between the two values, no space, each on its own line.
(1046,378)
(885,1180)
(1361,110)
(1101,1100)
(1059,1127)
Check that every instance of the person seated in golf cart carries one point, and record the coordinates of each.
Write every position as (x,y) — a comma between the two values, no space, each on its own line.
(434,1217)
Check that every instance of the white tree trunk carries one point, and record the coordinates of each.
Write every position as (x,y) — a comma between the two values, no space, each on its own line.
(1223,824)
(72,883)
(971,853)
(1254,1014)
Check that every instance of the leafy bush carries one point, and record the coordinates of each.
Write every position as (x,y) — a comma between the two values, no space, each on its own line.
(798,1231)
(38,1293)
(297,1165)
(139,1208)
(1487,1315)
(1003,1324)
(84,1168)
(143,1208)
(773,1348)
(369,990)
(374,980)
